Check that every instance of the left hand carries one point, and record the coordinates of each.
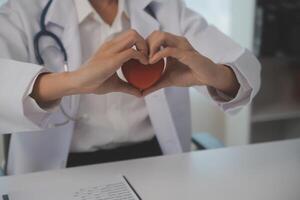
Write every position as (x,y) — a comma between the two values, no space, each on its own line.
(186,67)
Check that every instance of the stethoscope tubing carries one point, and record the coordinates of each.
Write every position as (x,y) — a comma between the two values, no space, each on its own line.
(45,33)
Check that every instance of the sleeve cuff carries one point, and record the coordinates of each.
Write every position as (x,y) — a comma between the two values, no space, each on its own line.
(31,109)
(242,98)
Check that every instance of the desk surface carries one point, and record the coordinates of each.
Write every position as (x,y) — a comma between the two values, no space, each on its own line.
(261,172)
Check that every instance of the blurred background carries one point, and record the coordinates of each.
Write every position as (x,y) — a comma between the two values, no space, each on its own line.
(270,28)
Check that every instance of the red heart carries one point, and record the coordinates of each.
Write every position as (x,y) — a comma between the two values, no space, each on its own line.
(142,76)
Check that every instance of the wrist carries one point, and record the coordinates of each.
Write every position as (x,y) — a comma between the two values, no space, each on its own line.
(225,80)
(77,82)
(71,79)
(70,82)
(209,73)
(51,87)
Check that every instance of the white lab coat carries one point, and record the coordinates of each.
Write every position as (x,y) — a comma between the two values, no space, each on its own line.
(34,146)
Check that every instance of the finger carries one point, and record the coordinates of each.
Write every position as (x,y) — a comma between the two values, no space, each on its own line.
(155,88)
(162,83)
(166,52)
(128,89)
(132,54)
(160,39)
(128,40)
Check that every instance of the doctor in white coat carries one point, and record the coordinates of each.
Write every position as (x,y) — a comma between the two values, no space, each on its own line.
(30,93)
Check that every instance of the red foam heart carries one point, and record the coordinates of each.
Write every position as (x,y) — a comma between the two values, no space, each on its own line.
(142,76)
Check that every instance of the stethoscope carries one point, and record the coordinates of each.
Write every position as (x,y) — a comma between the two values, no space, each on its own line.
(45,33)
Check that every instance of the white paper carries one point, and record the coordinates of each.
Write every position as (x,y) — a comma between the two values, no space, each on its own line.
(114,189)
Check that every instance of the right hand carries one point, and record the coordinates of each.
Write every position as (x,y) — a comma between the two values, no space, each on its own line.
(99,76)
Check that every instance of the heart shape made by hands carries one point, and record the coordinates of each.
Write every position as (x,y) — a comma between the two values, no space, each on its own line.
(143,76)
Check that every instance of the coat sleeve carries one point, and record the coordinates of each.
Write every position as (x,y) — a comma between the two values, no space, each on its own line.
(210,42)
(16,77)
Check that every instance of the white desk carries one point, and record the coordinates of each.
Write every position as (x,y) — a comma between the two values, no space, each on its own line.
(259,172)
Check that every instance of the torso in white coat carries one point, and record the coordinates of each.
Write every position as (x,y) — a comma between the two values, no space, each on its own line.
(41,148)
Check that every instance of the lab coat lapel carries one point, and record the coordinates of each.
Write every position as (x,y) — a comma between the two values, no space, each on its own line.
(140,20)
(57,12)
(157,103)
(70,38)
(69,23)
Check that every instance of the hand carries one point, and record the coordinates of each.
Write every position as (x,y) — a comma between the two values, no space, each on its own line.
(97,76)
(99,73)
(186,67)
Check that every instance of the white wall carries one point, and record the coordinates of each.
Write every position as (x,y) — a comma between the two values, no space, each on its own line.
(242,31)
(206,117)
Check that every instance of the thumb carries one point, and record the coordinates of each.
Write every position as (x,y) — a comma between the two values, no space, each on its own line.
(124,87)
(163,83)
